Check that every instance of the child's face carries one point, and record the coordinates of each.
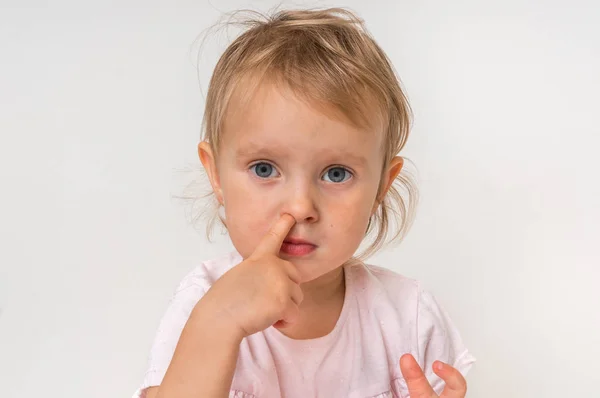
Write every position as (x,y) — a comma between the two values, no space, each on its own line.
(282,156)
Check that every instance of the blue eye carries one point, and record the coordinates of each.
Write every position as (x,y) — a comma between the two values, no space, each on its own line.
(337,175)
(263,170)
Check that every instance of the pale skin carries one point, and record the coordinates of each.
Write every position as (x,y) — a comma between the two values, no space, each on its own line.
(320,181)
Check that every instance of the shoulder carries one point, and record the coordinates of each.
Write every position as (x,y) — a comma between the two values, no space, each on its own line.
(187,294)
(208,272)
(384,283)
(193,286)
(381,285)
(387,278)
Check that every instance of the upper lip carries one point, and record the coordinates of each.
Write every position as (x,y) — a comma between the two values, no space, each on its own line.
(298,241)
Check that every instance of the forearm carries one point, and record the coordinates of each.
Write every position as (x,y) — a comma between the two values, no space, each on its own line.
(205,358)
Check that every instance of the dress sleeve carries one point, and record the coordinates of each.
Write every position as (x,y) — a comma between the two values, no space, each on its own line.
(188,293)
(439,339)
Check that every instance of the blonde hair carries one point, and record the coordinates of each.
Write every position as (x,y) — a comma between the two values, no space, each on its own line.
(327,57)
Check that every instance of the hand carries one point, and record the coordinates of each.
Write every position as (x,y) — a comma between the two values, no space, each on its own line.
(260,291)
(419,387)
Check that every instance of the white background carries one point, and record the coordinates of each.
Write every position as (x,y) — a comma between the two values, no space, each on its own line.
(100,105)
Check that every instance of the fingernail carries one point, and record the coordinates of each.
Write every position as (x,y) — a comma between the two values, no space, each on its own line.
(438,366)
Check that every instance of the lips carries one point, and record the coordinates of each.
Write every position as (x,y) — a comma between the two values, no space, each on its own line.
(297,247)
(297,241)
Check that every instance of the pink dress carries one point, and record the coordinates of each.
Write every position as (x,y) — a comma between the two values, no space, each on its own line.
(384,316)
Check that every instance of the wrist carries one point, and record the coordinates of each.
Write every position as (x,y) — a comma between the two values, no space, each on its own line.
(216,323)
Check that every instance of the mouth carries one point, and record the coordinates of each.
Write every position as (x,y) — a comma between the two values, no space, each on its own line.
(297,247)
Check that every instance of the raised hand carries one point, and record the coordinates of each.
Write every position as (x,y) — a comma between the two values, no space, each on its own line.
(262,290)
(419,387)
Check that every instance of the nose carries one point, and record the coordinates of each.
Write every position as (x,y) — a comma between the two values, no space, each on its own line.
(301,204)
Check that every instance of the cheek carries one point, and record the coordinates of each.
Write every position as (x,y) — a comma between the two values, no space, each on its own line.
(247,215)
(350,219)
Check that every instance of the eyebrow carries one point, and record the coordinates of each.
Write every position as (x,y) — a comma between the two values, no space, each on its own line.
(253,150)
(273,151)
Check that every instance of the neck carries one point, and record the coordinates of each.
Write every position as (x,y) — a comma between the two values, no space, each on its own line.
(321,307)
(324,288)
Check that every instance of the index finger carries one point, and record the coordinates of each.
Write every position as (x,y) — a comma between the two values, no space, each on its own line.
(271,242)
(417,383)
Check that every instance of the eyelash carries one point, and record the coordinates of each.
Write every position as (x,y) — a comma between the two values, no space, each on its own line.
(347,170)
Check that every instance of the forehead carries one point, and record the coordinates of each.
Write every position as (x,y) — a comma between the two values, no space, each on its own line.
(275,118)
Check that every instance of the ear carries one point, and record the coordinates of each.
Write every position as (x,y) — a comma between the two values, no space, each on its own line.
(388,178)
(206,155)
